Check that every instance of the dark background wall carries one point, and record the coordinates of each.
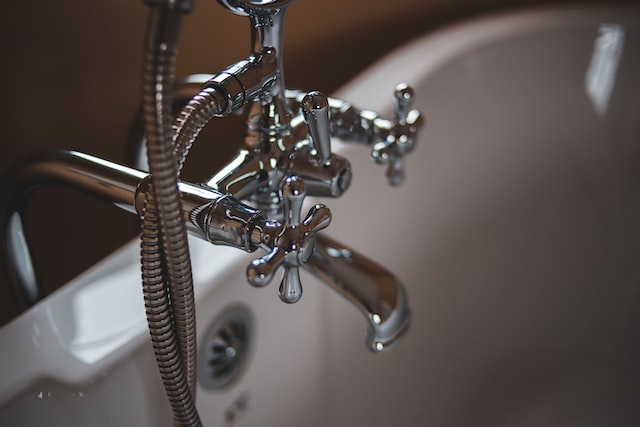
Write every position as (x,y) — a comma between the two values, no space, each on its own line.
(70,78)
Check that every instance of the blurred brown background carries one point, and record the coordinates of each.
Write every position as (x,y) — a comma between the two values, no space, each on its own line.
(70,78)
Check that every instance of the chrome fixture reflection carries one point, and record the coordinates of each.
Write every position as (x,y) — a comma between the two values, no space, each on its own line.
(253,202)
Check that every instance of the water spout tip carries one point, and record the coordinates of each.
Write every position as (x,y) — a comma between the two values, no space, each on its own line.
(384,337)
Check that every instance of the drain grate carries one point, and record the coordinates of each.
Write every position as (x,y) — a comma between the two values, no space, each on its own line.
(224,349)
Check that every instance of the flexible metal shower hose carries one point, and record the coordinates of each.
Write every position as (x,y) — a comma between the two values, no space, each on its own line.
(166,268)
(192,119)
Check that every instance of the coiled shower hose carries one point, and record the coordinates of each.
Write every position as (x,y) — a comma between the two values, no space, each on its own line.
(166,267)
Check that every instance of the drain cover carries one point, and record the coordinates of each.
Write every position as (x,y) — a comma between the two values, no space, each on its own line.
(225,347)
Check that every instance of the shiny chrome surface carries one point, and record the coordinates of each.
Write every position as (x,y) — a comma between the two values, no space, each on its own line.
(303,147)
(293,245)
(289,132)
(369,286)
(256,7)
(315,110)
(389,140)
(256,200)
(241,82)
(212,216)
(222,220)
(105,180)
(288,140)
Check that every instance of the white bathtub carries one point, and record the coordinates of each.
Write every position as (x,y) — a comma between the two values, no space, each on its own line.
(516,233)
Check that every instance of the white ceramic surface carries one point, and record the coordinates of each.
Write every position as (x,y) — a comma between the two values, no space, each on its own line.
(517,234)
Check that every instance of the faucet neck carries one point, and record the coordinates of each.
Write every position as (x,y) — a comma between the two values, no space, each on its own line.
(269,114)
(266,32)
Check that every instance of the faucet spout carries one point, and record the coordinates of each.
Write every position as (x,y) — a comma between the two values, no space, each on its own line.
(369,286)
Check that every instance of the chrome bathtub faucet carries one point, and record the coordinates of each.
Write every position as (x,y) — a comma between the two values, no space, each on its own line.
(288,138)
(255,201)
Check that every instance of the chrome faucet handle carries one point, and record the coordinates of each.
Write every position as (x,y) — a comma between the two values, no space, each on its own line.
(315,110)
(402,135)
(292,244)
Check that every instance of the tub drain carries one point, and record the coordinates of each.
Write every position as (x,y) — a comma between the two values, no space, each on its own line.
(225,347)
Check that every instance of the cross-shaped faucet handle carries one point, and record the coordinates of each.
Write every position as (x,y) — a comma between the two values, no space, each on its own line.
(402,136)
(292,245)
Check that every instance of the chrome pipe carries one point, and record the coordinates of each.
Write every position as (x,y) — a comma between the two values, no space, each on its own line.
(105,180)
(208,214)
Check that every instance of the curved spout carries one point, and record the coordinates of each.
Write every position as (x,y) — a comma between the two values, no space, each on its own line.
(369,286)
